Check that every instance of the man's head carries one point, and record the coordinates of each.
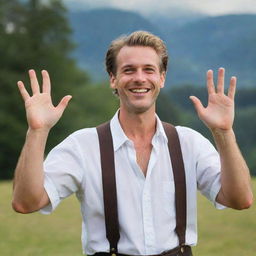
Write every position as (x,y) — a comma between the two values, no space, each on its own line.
(137,67)
(137,38)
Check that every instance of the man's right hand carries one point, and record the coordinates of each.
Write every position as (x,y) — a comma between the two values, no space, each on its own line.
(41,113)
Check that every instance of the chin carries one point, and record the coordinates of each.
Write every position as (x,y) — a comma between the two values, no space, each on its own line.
(140,109)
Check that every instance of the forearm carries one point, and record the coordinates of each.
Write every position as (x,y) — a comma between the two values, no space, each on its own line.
(236,189)
(28,186)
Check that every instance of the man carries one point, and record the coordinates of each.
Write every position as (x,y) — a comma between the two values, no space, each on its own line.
(137,66)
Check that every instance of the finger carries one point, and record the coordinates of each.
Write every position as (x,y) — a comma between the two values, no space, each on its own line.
(63,103)
(46,82)
(221,77)
(197,104)
(232,88)
(210,83)
(34,82)
(23,91)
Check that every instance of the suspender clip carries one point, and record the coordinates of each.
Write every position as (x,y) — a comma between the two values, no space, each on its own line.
(182,248)
(113,251)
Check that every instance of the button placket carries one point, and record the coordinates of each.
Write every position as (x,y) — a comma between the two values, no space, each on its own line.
(148,220)
(132,157)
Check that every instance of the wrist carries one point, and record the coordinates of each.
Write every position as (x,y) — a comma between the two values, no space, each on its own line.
(222,132)
(36,140)
(223,137)
(38,132)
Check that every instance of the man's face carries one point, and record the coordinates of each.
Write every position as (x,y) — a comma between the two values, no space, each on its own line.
(138,78)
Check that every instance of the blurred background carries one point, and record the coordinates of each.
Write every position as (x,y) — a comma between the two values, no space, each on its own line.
(69,38)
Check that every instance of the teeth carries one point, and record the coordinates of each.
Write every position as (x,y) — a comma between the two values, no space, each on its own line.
(139,90)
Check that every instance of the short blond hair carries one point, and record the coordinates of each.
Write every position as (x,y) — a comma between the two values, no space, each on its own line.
(137,38)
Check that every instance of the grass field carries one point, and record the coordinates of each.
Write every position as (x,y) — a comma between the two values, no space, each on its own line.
(223,233)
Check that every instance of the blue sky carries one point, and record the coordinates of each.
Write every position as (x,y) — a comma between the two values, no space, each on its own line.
(177,8)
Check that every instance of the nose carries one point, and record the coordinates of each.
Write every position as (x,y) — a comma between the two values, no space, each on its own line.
(139,76)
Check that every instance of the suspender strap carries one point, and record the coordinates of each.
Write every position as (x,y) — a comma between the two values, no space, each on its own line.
(109,185)
(179,181)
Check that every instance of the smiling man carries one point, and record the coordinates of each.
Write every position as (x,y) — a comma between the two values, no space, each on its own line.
(135,177)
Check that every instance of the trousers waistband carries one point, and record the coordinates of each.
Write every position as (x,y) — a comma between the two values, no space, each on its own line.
(178,251)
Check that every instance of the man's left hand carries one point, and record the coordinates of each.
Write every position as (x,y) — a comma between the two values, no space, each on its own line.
(219,113)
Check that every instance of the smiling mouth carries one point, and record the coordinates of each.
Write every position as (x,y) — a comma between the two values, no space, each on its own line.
(139,90)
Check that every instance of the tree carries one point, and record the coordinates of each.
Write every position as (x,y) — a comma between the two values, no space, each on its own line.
(34,34)
(167,110)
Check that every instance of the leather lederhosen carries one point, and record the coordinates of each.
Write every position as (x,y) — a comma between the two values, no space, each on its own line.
(110,196)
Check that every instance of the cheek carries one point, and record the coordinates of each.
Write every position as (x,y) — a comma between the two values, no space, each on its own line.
(158,83)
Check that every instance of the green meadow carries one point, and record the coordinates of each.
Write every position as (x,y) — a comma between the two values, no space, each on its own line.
(223,233)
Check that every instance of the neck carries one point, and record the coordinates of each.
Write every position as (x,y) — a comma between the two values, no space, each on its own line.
(138,125)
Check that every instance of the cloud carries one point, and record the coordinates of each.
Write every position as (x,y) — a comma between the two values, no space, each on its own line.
(219,7)
(170,7)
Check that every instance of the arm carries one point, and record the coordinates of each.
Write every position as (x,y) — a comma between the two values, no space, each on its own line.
(28,186)
(218,116)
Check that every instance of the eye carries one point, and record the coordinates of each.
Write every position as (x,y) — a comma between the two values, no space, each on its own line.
(150,70)
(128,70)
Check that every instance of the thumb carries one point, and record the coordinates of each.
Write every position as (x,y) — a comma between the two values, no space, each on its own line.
(63,103)
(197,104)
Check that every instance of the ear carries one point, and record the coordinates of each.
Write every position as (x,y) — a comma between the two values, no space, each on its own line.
(112,81)
(162,79)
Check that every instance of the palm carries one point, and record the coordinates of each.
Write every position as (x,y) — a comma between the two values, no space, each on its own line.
(220,110)
(41,113)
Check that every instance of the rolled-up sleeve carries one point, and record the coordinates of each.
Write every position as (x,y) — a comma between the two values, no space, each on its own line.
(208,170)
(63,169)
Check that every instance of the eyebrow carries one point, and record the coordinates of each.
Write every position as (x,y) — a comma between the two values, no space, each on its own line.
(132,66)
(127,66)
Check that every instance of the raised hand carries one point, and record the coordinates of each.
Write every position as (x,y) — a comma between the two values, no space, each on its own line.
(41,114)
(219,113)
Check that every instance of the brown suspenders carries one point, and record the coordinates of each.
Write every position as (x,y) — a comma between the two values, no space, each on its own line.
(179,181)
(109,183)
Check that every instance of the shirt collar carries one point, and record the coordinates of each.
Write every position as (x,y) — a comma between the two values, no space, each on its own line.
(119,137)
(160,129)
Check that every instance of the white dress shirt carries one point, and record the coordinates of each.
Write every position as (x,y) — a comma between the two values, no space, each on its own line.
(145,204)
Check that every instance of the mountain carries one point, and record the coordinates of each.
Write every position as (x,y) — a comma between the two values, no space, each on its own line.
(212,42)
(95,29)
(194,46)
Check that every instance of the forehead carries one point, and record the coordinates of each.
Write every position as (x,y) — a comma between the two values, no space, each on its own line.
(137,56)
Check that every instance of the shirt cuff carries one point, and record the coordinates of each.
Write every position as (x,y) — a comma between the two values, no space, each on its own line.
(213,194)
(52,194)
